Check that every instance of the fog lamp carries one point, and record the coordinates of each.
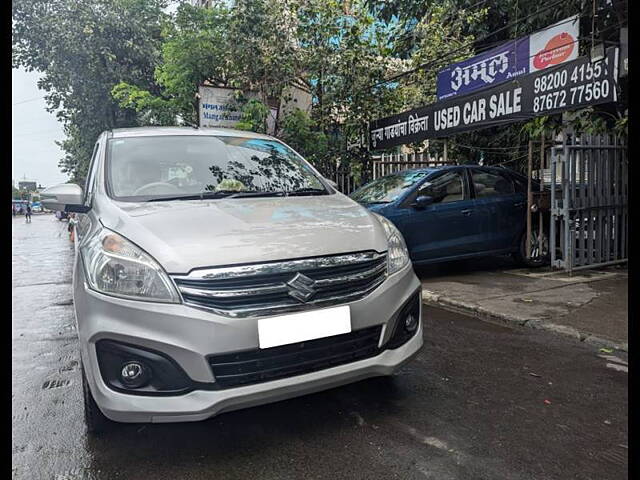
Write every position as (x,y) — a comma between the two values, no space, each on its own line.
(134,374)
(410,323)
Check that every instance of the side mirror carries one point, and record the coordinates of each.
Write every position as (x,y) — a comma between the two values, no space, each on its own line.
(66,197)
(332,183)
(422,201)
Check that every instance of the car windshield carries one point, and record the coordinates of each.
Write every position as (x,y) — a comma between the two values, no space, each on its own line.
(387,189)
(172,167)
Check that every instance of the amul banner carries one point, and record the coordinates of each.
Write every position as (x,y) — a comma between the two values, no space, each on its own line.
(555,44)
(568,86)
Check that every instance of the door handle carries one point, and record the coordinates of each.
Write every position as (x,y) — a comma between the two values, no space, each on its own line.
(466,212)
(518,204)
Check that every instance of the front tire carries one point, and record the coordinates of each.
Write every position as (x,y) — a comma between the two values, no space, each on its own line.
(539,250)
(95,420)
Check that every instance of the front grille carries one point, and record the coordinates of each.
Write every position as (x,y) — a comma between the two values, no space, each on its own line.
(256,366)
(278,287)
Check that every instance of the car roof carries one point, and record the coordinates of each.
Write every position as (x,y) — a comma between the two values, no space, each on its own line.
(184,131)
(448,167)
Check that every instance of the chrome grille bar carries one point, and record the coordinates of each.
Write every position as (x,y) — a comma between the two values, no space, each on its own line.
(266,289)
(281,267)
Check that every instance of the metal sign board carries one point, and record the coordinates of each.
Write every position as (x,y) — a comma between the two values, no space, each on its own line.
(217,107)
(552,46)
(568,86)
(490,68)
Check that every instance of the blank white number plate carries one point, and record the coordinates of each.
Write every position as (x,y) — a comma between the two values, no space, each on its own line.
(299,327)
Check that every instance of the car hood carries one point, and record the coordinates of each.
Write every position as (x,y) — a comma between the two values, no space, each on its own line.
(183,235)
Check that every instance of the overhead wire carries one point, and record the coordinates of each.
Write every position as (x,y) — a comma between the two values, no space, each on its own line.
(26,101)
(617,25)
(456,50)
(448,54)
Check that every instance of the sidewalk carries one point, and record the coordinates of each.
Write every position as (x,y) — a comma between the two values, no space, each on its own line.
(591,306)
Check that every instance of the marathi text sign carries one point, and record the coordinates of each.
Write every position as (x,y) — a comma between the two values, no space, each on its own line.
(567,86)
(218,107)
(555,44)
(489,68)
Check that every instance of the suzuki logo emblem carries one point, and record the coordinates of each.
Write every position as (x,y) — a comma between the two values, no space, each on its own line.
(301,287)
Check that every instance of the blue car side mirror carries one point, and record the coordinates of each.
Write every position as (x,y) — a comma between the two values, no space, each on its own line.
(422,201)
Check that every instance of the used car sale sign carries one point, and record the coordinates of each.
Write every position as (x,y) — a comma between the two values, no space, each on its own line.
(568,86)
(552,46)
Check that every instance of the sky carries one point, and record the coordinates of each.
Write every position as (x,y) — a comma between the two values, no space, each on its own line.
(33,133)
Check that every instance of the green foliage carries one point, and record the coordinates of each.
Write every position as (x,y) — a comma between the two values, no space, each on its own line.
(116,63)
(84,48)
(254,116)
(263,46)
(545,125)
(622,126)
(153,110)
(300,132)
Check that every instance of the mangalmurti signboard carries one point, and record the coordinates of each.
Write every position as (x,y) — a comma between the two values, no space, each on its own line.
(568,86)
(217,107)
(552,46)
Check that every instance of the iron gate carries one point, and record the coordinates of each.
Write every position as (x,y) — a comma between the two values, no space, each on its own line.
(589,202)
(391,163)
(382,165)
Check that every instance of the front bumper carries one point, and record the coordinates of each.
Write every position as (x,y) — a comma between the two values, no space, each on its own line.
(188,335)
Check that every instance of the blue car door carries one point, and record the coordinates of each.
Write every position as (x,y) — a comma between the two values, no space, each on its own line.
(500,207)
(446,227)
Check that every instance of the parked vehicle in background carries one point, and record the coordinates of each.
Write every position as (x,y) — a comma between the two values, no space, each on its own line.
(36,207)
(216,269)
(456,212)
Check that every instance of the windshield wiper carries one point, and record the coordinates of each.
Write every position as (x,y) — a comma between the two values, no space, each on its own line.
(307,191)
(195,196)
(274,193)
(218,194)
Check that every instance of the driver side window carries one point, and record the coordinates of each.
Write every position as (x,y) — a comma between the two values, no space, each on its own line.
(448,187)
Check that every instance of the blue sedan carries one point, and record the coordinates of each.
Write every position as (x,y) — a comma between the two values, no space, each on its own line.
(456,212)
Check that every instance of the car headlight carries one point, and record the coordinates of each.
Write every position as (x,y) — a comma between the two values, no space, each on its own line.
(115,266)
(397,253)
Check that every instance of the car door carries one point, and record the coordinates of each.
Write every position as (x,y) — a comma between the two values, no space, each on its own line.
(445,228)
(500,207)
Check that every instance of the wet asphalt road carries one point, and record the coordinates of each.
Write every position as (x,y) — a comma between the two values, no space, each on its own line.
(481,401)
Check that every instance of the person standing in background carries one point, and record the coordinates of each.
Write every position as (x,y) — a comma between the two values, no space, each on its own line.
(28,214)
(71,226)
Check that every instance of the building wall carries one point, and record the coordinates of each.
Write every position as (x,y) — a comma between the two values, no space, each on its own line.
(28,186)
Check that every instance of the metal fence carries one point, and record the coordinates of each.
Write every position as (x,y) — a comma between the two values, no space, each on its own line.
(395,162)
(383,165)
(589,202)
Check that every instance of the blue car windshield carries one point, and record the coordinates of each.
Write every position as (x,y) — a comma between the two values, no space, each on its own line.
(389,188)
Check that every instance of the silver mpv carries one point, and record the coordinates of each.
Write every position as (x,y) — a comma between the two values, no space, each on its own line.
(217,269)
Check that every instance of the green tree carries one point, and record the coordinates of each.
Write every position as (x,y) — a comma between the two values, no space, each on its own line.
(195,51)
(301,133)
(83,49)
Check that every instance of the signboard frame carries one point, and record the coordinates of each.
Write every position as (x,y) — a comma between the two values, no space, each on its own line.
(551,46)
(568,86)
